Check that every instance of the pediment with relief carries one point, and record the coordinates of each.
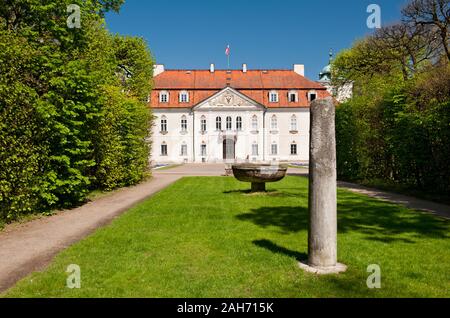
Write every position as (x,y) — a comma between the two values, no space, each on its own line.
(228,98)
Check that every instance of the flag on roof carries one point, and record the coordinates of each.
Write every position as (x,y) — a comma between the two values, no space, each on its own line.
(227,50)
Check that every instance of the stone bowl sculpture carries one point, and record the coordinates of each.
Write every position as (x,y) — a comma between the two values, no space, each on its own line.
(259,174)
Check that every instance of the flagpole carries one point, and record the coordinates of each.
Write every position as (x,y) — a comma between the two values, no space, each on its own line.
(227,52)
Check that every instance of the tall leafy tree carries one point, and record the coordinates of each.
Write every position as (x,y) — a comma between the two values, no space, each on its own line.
(393,128)
(65,110)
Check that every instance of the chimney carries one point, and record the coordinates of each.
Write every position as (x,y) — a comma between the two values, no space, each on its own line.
(244,68)
(211,68)
(299,69)
(158,69)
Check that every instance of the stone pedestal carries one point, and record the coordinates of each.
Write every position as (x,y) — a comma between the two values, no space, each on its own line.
(259,174)
(258,187)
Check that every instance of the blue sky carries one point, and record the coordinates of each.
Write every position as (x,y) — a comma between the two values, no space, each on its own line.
(265,34)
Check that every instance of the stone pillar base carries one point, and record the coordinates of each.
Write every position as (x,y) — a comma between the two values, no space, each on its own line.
(339,268)
(258,187)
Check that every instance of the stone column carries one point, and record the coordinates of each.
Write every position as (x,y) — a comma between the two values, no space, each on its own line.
(322,235)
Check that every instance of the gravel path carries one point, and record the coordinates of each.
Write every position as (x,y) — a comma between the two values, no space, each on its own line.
(437,209)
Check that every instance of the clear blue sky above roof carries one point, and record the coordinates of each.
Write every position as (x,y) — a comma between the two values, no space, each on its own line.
(264,34)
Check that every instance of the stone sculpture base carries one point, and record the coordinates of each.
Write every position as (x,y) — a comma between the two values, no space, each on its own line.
(258,187)
(339,268)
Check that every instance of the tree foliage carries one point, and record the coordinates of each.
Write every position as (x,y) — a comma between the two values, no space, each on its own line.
(395,126)
(70,121)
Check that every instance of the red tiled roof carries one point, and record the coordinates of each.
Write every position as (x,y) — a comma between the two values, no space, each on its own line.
(256,84)
(252,79)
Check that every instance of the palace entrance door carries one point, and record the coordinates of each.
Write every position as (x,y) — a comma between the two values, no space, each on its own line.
(229,146)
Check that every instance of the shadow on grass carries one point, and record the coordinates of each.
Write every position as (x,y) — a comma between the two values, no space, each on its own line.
(384,222)
(287,218)
(269,192)
(269,245)
(378,221)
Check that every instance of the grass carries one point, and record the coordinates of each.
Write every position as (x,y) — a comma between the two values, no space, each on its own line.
(207,237)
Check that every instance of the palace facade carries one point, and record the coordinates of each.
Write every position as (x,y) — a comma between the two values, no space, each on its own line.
(232,115)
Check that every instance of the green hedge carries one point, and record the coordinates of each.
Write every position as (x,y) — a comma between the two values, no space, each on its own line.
(401,138)
(71,121)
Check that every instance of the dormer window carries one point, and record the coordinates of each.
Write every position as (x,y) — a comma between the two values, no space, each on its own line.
(184,97)
(164,97)
(273,96)
(312,96)
(293,97)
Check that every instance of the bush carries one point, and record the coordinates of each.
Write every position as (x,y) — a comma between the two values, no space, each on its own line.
(70,120)
(401,138)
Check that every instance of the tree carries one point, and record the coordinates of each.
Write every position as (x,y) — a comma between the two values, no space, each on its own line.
(394,129)
(69,124)
(434,14)
(406,45)
(43,15)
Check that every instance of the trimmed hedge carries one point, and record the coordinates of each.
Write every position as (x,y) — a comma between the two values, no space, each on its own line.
(71,120)
(402,138)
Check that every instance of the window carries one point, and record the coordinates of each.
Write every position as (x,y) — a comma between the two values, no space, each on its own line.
(312,95)
(273,97)
(203,123)
(239,123)
(183,150)
(183,123)
(218,123)
(229,123)
(163,124)
(203,150)
(293,149)
(254,149)
(163,149)
(184,97)
(164,97)
(274,149)
(274,123)
(255,123)
(293,96)
(293,123)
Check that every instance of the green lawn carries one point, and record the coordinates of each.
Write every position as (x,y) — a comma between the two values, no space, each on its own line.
(206,237)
